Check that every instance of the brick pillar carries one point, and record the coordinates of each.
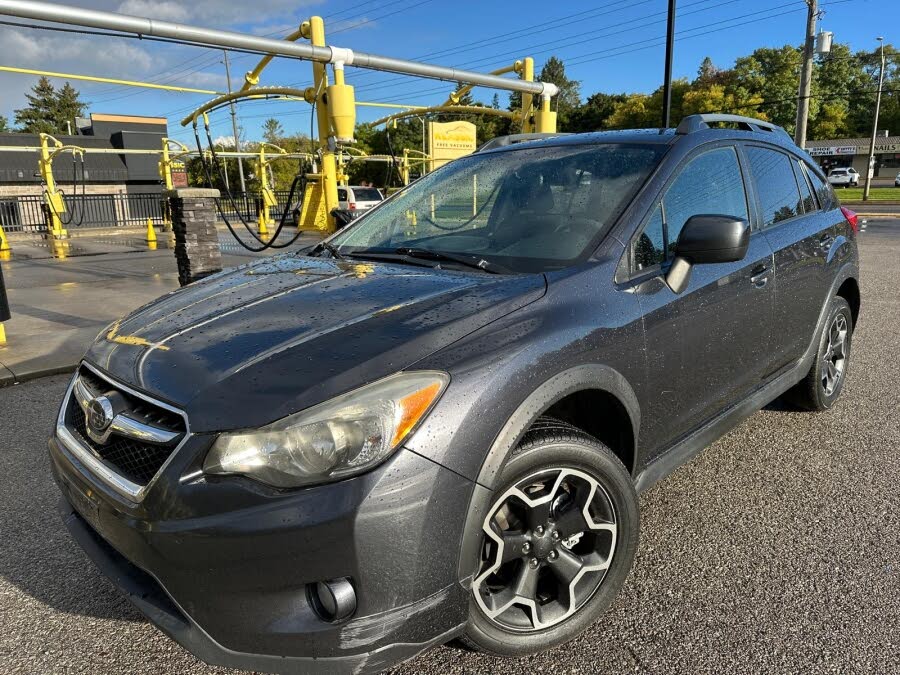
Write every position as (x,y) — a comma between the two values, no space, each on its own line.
(196,239)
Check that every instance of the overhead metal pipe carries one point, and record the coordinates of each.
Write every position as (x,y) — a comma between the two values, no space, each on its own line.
(77,16)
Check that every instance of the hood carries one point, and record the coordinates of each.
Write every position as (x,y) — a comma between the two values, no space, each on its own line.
(253,344)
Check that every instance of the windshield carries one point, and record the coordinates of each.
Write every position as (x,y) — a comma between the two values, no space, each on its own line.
(528,210)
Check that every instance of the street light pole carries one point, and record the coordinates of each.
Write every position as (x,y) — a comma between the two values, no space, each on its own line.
(234,127)
(667,81)
(870,167)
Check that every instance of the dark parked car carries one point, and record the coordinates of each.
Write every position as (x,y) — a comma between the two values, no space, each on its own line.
(435,425)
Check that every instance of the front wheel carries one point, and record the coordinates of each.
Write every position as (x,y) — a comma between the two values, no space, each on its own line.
(558,542)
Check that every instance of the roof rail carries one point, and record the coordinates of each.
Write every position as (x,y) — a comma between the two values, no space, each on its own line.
(503,141)
(693,123)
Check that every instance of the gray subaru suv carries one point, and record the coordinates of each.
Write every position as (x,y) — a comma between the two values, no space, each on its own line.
(434,425)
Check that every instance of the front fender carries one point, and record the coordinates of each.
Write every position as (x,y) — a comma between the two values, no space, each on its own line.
(578,378)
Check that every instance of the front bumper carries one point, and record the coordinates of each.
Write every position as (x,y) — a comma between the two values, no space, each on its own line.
(223,567)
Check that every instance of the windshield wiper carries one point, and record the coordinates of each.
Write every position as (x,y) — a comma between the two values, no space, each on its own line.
(473,261)
(327,246)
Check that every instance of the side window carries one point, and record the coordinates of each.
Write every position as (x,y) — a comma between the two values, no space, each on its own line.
(827,200)
(710,183)
(779,195)
(809,202)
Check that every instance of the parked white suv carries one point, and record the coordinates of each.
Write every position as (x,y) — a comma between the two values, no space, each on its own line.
(843,177)
(358,198)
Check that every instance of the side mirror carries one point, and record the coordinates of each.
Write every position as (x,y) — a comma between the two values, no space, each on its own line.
(707,239)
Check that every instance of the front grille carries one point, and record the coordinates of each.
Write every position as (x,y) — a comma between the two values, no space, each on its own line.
(134,459)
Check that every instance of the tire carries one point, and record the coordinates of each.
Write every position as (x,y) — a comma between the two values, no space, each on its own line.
(813,392)
(553,454)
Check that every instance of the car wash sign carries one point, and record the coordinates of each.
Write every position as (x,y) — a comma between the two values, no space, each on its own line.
(450,140)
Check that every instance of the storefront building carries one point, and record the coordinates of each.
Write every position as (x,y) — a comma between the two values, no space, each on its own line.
(854,152)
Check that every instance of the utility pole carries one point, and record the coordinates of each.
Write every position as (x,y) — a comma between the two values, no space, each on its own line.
(870,167)
(234,127)
(806,73)
(667,82)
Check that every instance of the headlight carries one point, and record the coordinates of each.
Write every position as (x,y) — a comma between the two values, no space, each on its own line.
(341,437)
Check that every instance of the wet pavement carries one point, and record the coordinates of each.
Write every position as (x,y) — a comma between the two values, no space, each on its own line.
(775,550)
(62,294)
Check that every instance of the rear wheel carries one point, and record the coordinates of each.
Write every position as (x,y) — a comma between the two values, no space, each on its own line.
(557,543)
(825,380)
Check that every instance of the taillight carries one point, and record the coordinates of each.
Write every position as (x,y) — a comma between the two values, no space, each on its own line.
(352,206)
(852,218)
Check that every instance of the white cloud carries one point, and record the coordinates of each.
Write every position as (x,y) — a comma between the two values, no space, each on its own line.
(218,12)
(225,141)
(163,11)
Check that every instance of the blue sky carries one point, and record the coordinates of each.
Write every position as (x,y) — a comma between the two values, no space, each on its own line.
(609,45)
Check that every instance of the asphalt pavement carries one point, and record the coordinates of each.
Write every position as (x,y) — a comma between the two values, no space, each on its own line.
(775,550)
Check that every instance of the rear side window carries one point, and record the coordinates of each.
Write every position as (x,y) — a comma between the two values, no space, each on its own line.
(822,189)
(779,195)
(366,195)
(710,183)
(809,202)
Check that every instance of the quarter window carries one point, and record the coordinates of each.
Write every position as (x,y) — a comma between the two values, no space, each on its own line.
(779,195)
(809,202)
(710,183)
(822,190)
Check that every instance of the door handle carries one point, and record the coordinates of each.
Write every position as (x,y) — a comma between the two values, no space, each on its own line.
(760,276)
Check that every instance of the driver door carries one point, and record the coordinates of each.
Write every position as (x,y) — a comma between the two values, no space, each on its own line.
(710,345)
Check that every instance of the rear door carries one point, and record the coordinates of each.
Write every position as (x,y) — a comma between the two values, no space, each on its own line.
(708,346)
(799,234)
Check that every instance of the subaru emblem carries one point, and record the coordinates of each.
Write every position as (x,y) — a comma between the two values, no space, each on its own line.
(100,414)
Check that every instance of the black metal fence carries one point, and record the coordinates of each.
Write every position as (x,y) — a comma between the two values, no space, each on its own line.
(27,213)
(248,204)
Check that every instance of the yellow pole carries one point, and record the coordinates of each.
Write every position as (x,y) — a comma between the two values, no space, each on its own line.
(404,167)
(54,200)
(527,99)
(263,220)
(320,82)
(545,119)
(4,242)
(107,80)
(2,334)
(165,166)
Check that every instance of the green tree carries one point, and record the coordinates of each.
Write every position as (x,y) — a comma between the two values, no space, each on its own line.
(49,109)
(39,116)
(771,74)
(593,115)
(708,73)
(569,97)
(4,124)
(273,132)
(67,107)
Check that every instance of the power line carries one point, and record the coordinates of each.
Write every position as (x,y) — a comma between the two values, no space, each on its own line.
(598,33)
(627,49)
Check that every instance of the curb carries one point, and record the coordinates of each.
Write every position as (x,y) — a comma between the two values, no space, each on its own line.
(9,379)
